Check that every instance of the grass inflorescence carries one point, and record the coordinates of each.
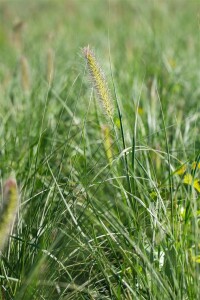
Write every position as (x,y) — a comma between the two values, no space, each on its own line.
(98,80)
(8,210)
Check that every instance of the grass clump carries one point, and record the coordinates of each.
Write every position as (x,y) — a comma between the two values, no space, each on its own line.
(108,210)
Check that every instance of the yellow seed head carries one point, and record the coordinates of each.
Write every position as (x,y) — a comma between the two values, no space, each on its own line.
(18,27)
(9,209)
(98,81)
(50,66)
(107,143)
(25,74)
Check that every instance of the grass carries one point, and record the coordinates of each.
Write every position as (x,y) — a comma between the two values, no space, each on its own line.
(109,209)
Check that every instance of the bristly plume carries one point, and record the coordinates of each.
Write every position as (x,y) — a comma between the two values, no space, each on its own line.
(99,81)
(107,140)
(8,210)
(50,66)
(25,74)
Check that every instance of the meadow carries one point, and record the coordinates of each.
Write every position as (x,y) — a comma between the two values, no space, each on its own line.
(99,126)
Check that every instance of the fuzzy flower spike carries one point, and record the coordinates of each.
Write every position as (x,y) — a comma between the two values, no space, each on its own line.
(8,210)
(98,81)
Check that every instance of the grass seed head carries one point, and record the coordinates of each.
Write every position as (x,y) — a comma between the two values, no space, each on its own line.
(107,140)
(50,66)
(98,80)
(9,209)
(25,74)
